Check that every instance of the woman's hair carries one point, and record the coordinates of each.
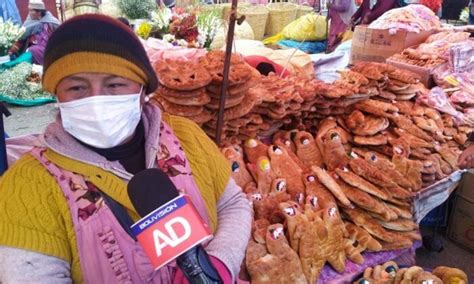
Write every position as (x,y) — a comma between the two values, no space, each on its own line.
(42,12)
(124,21)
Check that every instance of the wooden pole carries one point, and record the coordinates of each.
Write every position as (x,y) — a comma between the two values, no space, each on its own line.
(225,80)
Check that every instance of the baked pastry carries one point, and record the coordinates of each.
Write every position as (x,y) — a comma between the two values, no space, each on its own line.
(410,169)
(380,139)
(414,141)
(307,150)
(449,155)
(365,125)
(377,108)
(387,168)
(362,168)
(264,175)
(277,245)
(200,99)
(356,181)
(331,184)
(362,219)
(450,275)
(294,218)
(406,124)
(259,230)
(314,189)
(363,199)
(336,232)
(203,117)
(234,154)
(426,277)
(354,77)
(371,70)
(333,151)
(292,155)
(399,225)
(286,168)
(254,149)
(213,103)
(243,108)
(182,75)
(180,110)
(234,91)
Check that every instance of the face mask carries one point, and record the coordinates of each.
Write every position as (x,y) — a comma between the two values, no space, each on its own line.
(102,121)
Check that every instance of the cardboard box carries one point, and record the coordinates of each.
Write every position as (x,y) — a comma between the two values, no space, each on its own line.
(425,73)
(377,45)
(461,227)
(466,187)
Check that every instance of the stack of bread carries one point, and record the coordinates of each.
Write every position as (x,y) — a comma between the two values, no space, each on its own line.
(183,89)
(352,180)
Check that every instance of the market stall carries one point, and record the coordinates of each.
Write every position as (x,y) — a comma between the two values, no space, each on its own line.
(20,80)
(339,174)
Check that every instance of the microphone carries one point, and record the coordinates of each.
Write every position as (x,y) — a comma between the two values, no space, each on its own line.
(170,228)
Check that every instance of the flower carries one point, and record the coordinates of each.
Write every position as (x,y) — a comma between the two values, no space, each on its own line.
(144,30)
(9,34)
(161,18)
(182,42)
(464,16)
(169,38)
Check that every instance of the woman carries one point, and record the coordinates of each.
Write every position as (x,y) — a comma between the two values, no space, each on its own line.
(340,12)
(56,219)
(39,25)
(371,10)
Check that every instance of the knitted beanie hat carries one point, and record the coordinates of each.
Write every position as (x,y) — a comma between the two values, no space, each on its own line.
(94,43)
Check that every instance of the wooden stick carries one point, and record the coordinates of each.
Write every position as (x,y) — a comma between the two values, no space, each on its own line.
(225,80)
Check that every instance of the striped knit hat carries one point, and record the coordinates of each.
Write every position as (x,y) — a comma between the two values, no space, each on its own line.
(94,43)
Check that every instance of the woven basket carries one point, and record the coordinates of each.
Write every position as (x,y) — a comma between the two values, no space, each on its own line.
(280,15)
(227,7)
(256,16)
(303,10)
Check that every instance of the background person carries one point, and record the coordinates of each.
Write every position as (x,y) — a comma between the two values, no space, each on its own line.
(39,24)
(340,13)
(371,10)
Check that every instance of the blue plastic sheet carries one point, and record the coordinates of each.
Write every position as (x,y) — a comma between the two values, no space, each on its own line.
(25,57)
(310,47)
(9,11)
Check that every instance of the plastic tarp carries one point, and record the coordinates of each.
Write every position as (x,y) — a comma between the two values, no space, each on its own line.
(431,197)
(9,11)
(327,65)
(25,57)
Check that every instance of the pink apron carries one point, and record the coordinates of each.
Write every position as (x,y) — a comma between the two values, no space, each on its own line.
(107,254)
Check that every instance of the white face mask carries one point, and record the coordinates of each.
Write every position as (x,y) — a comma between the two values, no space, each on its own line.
(102,121)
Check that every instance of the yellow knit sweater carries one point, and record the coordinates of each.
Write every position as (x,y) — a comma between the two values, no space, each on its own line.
(34,214)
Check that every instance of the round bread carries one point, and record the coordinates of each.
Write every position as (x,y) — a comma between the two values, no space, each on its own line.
(199,100)
(182,75)
(236,90)
(229,102)
(167,92)
(201,118)
(180,110)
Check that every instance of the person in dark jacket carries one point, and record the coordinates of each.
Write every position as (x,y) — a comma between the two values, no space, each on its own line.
(367,14)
